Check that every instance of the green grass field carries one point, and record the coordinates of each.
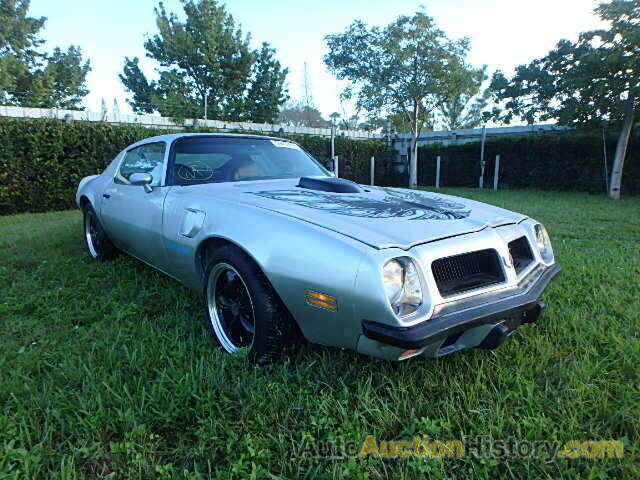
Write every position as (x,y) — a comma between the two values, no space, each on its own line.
(107,370)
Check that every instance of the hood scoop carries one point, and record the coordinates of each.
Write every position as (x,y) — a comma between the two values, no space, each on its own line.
(335,185)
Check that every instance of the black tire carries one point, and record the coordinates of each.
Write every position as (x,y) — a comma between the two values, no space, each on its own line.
(273,327)
(96,241)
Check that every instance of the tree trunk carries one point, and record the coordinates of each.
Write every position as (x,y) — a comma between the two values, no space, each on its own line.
(413,160)
(621,149)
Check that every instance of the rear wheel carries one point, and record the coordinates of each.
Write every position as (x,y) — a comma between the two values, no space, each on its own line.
(98,244)
(243,309)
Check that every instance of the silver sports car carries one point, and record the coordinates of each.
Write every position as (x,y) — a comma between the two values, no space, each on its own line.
(282,250)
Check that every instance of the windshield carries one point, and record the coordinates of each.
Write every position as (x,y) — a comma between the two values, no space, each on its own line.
(227,159)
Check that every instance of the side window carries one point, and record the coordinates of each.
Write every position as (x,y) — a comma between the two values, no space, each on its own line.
(147,158)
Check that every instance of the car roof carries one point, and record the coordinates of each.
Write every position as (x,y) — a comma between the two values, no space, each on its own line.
(171,137)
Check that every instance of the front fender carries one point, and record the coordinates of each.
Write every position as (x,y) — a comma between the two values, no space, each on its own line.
(295,256)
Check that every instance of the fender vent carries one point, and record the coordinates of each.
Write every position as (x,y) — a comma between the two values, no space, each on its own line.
(468,271)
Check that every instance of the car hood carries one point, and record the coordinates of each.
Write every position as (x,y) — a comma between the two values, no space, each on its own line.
(381,217)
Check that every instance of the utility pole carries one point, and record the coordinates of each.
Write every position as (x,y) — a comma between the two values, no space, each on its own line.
(206,98)
(103,110)
(333,140)
(306,88)
(484,137)
(388,132)
(116,108)
(372,169)
(334,118)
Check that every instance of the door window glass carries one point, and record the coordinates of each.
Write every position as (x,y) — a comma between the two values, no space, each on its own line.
(147,158)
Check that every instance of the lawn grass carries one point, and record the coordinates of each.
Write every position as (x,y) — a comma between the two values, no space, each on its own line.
(107,370)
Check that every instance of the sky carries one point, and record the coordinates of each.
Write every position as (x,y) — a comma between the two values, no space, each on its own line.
(503,33)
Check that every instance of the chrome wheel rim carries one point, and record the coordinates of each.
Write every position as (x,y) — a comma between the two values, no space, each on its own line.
(230,308)
(91,234)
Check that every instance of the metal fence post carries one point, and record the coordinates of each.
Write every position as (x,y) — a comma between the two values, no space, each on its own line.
(336,166)
(483,139)
(372,163)
(438,171)
(496,170)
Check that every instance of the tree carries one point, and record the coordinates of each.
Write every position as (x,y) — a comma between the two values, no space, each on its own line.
(464,111)
(349,123)
(395,122)
(266,92)
(298,114)
(65,75)
(143,94)
(464,105)
(593,80)
(30,77)
(407,67)
(206,57)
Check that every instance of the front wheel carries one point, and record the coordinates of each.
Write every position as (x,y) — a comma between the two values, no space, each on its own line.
(243,309)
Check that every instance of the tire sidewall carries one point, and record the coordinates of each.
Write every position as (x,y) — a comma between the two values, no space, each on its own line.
(102,244)
(261,297)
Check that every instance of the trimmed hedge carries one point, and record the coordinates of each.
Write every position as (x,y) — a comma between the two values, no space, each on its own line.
(546,162)
(42,161)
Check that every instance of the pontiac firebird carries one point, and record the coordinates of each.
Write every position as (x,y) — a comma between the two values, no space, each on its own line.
(281,248)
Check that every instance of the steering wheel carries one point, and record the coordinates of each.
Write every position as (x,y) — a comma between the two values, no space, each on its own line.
(194,172)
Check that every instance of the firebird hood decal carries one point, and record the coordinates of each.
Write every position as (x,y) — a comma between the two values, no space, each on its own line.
(408,205)
(381,217)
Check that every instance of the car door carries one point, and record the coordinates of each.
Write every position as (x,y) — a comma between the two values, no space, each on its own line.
(132,216)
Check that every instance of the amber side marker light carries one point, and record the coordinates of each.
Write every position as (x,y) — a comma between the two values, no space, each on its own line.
(410,353)
(321,300)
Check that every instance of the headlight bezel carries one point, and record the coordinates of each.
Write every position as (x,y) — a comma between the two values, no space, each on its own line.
(409,298)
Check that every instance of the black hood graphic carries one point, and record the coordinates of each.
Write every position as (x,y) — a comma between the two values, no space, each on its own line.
(394,204)
(381,217)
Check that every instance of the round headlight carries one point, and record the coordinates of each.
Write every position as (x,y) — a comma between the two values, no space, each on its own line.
(392,275)
(543,243)
(542,239)
(402,285)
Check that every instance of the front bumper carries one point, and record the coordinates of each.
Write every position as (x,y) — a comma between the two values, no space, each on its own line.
(499,315)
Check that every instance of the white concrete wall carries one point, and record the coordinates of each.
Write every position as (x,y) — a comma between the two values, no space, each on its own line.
(166,122)
(401,141)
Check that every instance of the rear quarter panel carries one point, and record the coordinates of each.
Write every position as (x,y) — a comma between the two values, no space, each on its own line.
(91,187)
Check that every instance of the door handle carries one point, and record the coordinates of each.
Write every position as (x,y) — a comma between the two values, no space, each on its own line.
(106,195)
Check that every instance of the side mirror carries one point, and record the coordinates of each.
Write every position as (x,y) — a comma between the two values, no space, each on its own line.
(143,179)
